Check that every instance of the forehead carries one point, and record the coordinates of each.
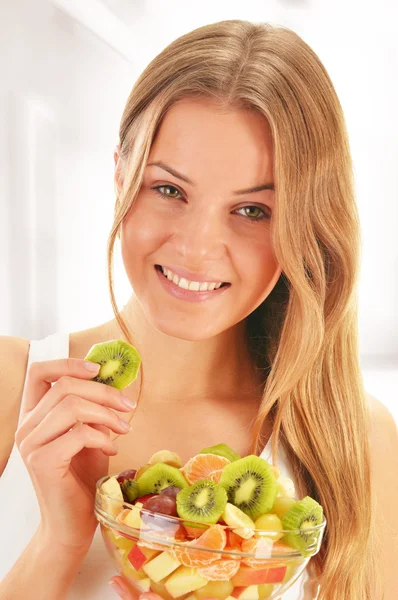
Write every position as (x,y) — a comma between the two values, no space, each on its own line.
(197,136)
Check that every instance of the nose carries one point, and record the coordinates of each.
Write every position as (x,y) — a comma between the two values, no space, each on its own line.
(200,237)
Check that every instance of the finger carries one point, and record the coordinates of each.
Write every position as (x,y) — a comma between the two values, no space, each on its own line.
(41,374)
(64,416)
(96,392)
(57,455)
(123,589)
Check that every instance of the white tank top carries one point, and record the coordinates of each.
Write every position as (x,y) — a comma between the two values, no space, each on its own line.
(20,514)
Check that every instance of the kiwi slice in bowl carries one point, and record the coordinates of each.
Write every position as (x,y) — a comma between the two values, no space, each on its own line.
(160,476)
(221,450)
(250,484)
(304,515)
(204,501)
(119,362)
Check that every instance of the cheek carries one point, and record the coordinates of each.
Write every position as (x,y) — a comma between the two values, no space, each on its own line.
(257,264)
(141,235)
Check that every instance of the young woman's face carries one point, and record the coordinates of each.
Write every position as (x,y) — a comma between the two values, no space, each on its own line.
(203,230)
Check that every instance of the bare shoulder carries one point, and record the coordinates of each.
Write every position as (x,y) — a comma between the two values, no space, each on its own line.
(384,472)
(14,353)
(383,425)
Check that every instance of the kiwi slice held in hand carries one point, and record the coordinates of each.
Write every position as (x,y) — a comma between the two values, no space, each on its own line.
(204,501)
(303,516)
(250,484)
(221,450)
(160,476)
(119,362)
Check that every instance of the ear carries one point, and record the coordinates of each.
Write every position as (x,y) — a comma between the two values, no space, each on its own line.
(118,167)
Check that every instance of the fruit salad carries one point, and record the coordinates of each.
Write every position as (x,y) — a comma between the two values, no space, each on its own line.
(219,526)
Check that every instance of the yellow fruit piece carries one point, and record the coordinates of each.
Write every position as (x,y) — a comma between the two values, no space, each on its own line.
(120,541)
(159,588)
(166,456)
(265,590)
(111,487)
(234,517)
(183,581)
(133,518)
(160,567)
(215,589)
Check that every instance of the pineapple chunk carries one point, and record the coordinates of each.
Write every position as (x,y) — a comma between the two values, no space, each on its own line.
(161,566)
(183,581)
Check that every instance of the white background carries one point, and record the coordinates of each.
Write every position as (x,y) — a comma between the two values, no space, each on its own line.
(67,67)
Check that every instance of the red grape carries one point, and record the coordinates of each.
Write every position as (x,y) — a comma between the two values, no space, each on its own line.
(126,475)
(166,505)
(171,491)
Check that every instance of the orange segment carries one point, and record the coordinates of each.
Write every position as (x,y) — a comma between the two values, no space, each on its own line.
(260,547)
(220,570)
(214,538)
(204,466)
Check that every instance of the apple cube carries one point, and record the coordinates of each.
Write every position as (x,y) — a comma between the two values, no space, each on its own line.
(158,588)
(247,576)
(149,552)
(214,589)
(137,557)
(132,518)
(129,571)
(246,593)
(183,581)
(160,567)
(111,487)
(276,574)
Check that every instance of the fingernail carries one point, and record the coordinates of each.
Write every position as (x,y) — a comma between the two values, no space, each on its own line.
(126,426)
(93,367)
(116,587)
(127,402)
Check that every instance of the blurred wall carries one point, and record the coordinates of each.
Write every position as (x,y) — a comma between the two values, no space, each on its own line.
(62,92)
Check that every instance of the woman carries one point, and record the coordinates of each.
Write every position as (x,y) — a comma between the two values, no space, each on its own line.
(234,169)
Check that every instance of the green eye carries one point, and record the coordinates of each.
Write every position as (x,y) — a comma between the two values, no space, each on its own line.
(254,213)
(158,189)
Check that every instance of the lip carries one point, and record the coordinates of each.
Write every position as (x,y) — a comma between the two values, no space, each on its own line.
(192,276)
(188,295)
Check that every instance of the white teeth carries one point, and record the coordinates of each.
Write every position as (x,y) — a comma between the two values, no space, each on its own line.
(194,286)
(183,283)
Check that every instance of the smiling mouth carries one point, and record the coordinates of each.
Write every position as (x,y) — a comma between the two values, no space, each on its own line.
(186,284)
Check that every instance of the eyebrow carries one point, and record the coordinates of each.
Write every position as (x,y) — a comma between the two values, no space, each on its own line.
(252,190)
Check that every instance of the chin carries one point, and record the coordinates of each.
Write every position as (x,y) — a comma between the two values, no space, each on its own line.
(194,331)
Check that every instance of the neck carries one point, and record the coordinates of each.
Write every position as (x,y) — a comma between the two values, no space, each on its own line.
(219,367)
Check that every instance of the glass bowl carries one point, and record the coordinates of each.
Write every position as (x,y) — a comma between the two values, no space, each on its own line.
(177,558)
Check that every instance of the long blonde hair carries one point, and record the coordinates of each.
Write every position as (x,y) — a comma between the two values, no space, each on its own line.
(304,336)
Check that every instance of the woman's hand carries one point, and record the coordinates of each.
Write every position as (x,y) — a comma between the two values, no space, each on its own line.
(125,592)
(64,462)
